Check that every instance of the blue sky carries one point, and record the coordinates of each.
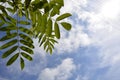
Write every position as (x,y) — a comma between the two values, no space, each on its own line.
(90,51)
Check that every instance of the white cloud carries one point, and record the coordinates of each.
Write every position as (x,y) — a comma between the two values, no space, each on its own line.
(61,72)
(1,78)
(79,77)
(74,39)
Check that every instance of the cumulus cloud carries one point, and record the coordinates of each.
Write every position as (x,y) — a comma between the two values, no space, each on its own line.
(61,72)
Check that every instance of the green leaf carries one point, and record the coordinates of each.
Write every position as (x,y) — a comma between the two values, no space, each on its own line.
(2,18)
(24,22)
(10,51)
(1,24)
(26,49)
(61,2)
(27,43)
(57,30)
(49,27)
(22,63)
(43,40)
(45,45)
(12,59)
(63,16)
(40,37)
(27,3)
(10,18)
(10,36)
(25,30)
(25,55)
(25,37)
(53,41)
(8,44)
(10,10)
(7,28)
(66,25)
(43,23)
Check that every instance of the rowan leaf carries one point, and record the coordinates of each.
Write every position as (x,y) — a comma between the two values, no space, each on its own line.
(8,44)
(63,16)
(10,51)
(25,55)
(10,36)
(22,63)
(12,59)
(26,49)
(57,30)
(66,25)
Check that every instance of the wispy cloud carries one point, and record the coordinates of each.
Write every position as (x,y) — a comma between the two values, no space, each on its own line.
(60,72)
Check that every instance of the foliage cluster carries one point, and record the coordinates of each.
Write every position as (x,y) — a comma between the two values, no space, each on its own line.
(23,20)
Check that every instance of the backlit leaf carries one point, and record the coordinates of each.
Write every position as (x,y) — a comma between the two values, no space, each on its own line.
(25,37)
(27,31)
(25,55)
(8,36)
(63,16)
(26,49)
(22,63)
(66,25)
(27,43)
(12,59)
(57,30)
(8,44)
(10,51)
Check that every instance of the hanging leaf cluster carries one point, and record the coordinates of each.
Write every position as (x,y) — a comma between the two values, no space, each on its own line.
(23,20)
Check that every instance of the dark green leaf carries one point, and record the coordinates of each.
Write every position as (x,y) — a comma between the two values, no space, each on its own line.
(1,24)
(22,63)
(63,16)
(24,22)
(12,59)
(25,55)
(10,10)
(2,18)
(45,45)
(49,27)
(8,44)
(27,3)
(25,30)
(10,51)
(61,2)
(26,38)
(43,40)
(57,31)
(7,28)
(53,41)
(40,37)
(66,25)
(27,43)
(10,36)
(26,49)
